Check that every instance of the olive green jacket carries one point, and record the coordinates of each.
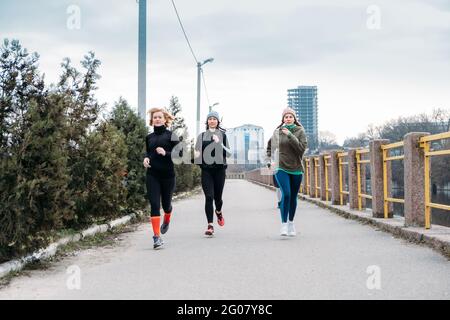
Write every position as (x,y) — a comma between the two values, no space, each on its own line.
(287,150)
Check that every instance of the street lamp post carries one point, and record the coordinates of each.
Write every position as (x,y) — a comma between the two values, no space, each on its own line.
(199,71)
(142,59)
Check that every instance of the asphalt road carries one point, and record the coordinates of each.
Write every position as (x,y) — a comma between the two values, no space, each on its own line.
(331,258)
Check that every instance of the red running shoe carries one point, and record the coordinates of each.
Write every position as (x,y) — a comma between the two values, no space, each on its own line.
(220,219)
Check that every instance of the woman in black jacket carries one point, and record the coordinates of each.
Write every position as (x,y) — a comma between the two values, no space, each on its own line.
(211,151)
(160,177)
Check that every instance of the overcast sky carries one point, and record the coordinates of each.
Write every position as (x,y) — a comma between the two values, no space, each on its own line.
(371,60)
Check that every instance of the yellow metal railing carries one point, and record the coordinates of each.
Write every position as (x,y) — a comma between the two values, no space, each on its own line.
(307,168)
(386,148)
(326,160)
(359,162)
(342,155)
(316,173)
(425,144)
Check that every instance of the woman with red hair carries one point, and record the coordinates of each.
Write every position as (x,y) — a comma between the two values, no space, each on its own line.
(160,177)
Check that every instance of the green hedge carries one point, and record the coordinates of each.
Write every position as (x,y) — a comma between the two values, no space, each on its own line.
(62,166)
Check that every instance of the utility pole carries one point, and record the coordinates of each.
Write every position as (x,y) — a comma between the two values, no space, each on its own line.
(142,60)
(199,70)
(199,74)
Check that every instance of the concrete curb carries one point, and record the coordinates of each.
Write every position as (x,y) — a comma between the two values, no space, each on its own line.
(94,230)
(438,237)
(46,253)
(11,266)
(121,221)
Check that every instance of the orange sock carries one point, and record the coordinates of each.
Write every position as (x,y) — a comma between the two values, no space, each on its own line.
(167,217)
(156,225)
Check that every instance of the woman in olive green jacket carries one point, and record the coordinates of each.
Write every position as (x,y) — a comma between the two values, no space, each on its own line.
(289,139)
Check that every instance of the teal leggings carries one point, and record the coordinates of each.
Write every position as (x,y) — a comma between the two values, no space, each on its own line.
(290,186)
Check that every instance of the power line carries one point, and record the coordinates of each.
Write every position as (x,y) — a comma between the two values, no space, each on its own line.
(206,90)
(184,31)
(192,51)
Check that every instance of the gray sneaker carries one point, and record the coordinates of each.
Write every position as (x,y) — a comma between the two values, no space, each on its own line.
(164,228)
(157,242)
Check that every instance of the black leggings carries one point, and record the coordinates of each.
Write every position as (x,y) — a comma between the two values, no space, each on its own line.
(213,181)
(160,190)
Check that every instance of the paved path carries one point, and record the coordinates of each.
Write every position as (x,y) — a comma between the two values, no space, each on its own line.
(247,259)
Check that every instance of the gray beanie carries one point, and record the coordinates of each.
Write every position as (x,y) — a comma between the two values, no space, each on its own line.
(214,114)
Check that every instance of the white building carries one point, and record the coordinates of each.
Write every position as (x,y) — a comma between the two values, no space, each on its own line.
(247,145)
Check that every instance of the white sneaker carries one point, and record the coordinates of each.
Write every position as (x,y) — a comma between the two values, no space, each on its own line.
(284,229)
(291,229)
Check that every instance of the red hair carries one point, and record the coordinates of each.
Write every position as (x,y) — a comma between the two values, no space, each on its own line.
(167,116)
